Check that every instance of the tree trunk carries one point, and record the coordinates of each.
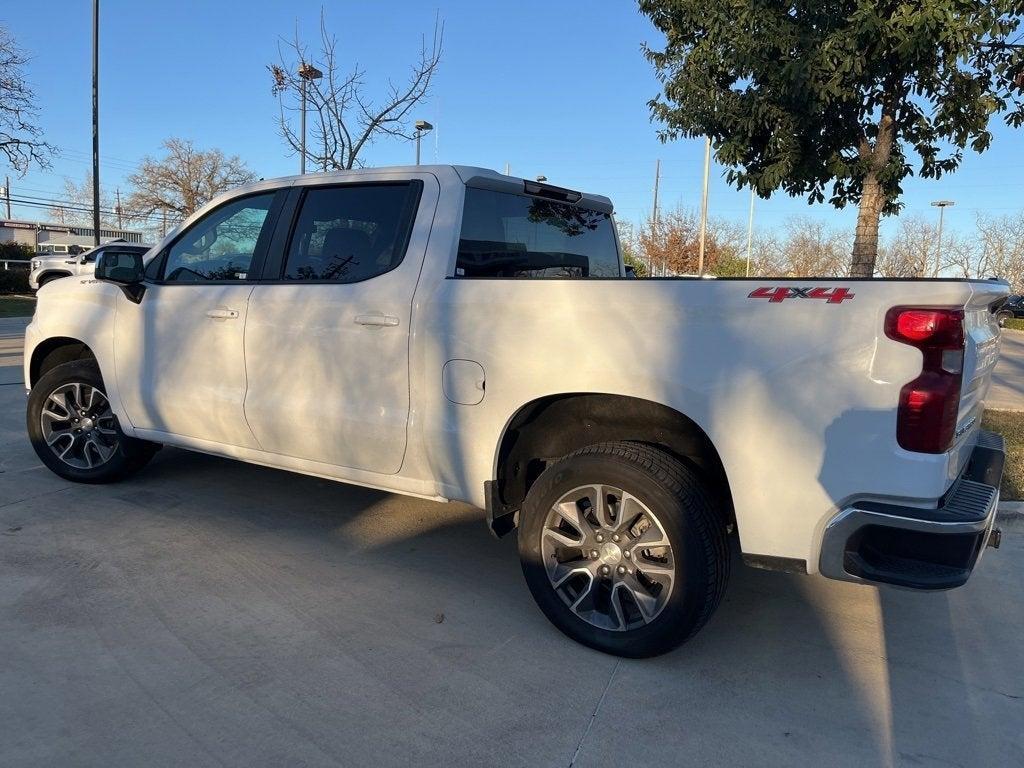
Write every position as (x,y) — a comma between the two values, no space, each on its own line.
(865,245)
(872,198)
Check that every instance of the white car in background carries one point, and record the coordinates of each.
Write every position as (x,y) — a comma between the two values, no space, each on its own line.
(47,267)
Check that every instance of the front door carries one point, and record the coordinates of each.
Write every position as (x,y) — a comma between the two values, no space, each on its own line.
(179,352)
(327,334)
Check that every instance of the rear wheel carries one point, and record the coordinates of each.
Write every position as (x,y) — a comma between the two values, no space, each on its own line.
(73,430)
(622,549)
(1002,317)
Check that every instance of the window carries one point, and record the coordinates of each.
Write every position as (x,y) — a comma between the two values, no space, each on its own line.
(508,235)
(90,256)
(351,233)
(219,246)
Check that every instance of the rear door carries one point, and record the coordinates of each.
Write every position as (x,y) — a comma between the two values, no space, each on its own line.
(327,332)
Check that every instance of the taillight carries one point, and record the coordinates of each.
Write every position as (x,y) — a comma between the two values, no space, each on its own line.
(929,405)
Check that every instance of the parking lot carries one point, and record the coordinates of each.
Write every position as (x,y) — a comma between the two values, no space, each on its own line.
(209,612)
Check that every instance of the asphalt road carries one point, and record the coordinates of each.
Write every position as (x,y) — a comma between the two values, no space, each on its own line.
(213,613)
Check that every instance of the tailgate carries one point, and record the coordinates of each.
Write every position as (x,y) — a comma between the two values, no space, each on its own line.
(981,334)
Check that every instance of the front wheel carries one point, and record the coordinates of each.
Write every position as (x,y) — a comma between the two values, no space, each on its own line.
(73,431)
(1002,317)
(623,550)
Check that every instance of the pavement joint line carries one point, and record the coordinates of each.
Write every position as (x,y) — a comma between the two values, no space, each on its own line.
(593,716)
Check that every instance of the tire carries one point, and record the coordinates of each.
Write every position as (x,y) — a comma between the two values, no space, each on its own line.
(95,450)
(1002,317)
(693,567)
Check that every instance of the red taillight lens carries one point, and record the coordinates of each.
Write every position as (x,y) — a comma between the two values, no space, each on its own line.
(929,405)
(919,327)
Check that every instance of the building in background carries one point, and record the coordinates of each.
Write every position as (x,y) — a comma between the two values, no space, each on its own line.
(43,237)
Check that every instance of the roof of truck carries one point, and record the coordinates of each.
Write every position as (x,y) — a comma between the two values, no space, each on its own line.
(473,176)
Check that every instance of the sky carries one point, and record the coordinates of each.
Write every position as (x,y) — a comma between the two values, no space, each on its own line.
(552,88)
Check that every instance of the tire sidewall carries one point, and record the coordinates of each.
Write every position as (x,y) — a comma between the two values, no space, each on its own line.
(686,602)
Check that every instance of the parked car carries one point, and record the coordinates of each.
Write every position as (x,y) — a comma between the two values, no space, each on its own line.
(1012,309)
(455,334)
(48,267)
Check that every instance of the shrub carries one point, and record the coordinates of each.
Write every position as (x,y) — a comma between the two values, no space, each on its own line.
(14,280)
(15,251)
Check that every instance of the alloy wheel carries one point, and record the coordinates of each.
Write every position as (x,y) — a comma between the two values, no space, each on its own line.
(78,426)
(608,558)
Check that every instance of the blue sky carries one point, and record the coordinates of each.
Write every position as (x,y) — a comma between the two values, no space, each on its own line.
(558,88)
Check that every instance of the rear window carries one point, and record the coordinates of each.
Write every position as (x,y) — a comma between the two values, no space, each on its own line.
(515,236)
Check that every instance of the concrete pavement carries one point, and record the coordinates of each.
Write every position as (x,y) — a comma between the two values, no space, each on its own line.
(208,612)
(1007,392)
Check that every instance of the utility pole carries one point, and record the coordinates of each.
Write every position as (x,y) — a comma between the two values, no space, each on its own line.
(704,206)
(508,170)
(163,224)
(118,209)
(654,213)
(96,122)
(750,230)
(7,194)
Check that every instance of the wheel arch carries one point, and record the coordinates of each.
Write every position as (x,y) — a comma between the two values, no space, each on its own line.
(52,274)
(55,351)
(553,426)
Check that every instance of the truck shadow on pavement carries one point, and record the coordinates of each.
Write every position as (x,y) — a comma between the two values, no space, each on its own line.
(346,615)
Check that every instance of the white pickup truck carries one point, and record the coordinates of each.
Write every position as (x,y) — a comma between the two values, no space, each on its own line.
(455,334)
(47,267)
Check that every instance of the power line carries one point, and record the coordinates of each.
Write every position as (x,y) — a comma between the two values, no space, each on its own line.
(133,216)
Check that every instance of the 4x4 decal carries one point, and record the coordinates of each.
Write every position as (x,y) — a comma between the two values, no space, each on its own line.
(829,295)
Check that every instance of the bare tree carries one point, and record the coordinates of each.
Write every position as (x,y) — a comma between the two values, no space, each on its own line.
(344,119)
(1002,240)
(76,206)
(184,180)
(812,249)
(20,140)
(768,256)
(672,244)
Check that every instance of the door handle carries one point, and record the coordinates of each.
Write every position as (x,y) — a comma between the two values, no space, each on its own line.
(222,314)
(377,320)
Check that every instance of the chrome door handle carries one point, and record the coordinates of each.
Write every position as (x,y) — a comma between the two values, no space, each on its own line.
(222,314)
(377,320)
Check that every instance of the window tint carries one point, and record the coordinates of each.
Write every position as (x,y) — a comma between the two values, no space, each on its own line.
(219,246)
(507,235)
(351,233)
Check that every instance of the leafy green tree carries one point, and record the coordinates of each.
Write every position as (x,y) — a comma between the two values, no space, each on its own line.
(832,98)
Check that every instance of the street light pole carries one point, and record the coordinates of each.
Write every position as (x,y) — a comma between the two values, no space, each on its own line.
(96,122)
(422,128)
(942,205)
(307,72)
(704,206)
(750,230)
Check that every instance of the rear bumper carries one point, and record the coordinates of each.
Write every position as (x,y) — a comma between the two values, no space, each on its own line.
(879,543)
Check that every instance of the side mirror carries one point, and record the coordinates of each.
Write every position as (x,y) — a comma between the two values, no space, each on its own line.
(630,271)
(123,268)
